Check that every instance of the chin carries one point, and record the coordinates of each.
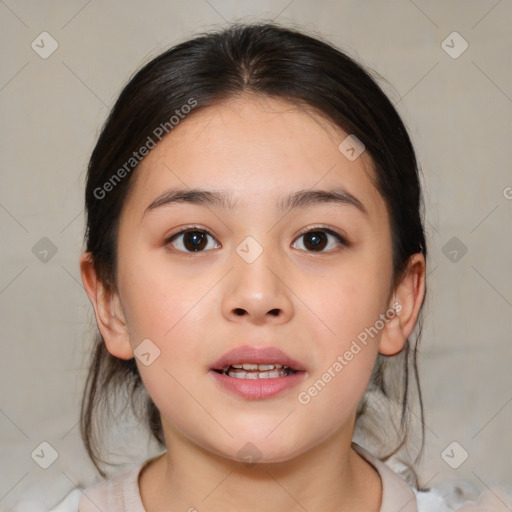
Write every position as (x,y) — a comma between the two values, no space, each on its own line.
(258,449)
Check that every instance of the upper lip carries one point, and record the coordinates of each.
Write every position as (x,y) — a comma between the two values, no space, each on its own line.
(256,355)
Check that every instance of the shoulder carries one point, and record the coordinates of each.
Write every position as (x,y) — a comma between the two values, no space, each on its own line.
(396,492)
(445,497)
(439,500)
(121,490)
(69,503)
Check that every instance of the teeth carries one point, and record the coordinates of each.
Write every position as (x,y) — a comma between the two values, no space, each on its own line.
(252,367)
(257,371)
(265,367)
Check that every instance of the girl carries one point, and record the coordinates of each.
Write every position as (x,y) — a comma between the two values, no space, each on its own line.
(256,261)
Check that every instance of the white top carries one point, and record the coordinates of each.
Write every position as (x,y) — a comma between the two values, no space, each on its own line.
(121,493)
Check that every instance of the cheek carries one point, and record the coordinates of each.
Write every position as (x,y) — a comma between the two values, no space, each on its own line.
(349,302)
(159,307)
(174,314)
(172,317)
(329,397)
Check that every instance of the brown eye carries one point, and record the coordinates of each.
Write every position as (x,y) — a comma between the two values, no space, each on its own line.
(316,240)
(191,240)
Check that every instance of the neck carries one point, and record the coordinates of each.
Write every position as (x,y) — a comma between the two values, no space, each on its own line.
(331,477)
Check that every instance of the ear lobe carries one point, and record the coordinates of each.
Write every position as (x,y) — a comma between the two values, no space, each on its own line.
(107,309)
(408,298)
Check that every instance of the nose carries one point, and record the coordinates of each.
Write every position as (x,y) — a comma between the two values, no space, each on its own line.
(257,292)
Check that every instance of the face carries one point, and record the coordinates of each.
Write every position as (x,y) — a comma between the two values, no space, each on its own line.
(254,272)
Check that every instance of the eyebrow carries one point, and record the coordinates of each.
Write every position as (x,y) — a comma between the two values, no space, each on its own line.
(298,199)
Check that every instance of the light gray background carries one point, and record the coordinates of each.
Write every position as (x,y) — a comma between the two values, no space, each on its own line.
(458,111)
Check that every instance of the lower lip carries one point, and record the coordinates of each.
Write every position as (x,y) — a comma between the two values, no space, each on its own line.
(258,389)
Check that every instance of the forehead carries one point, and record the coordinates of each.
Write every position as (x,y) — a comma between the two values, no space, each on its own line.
(254,148)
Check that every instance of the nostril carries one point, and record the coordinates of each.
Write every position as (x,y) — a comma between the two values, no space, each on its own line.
(241,312)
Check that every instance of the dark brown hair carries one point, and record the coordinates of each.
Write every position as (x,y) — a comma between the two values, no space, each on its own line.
(259,58)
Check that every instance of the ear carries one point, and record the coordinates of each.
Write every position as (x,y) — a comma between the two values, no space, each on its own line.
(108,310)
(407,298)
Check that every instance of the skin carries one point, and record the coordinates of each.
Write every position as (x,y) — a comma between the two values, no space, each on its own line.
(310,304)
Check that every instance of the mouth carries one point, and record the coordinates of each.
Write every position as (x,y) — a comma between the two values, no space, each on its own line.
(256,371)
(247,362)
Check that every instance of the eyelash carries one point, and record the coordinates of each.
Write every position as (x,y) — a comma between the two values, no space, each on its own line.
(314,229)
